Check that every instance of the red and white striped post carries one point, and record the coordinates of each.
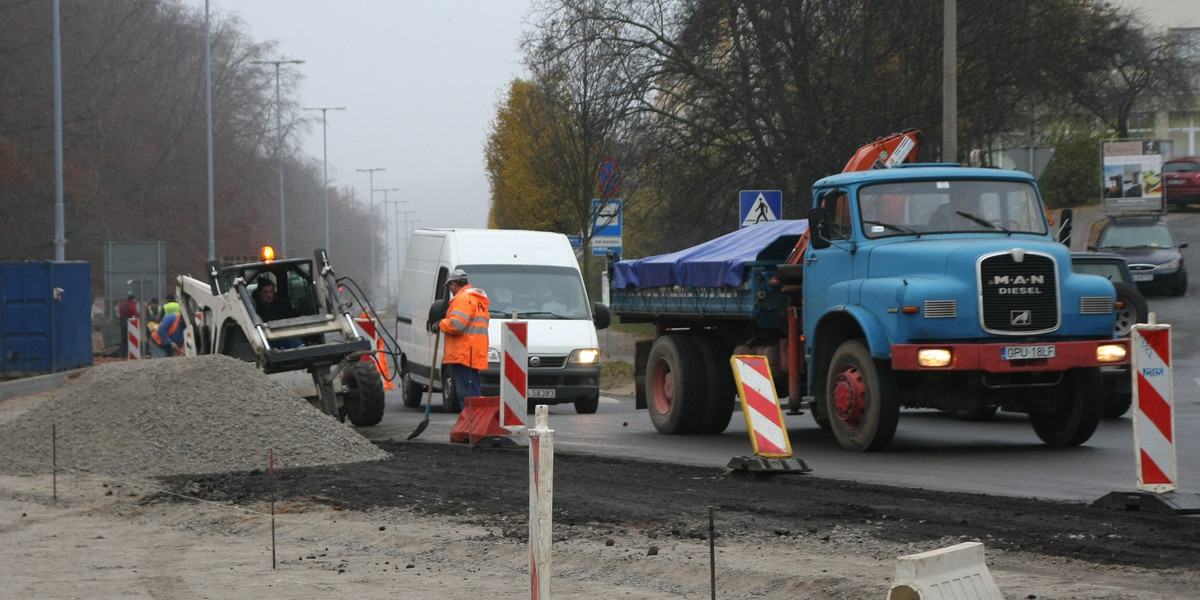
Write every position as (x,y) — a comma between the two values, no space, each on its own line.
(1154,408)
(764,417)
(134,332)
(541,504)
(514,378)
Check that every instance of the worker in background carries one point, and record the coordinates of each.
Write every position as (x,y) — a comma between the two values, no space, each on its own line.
(154,314)
(171,306)
(167,339)
(466,329)
(127,310)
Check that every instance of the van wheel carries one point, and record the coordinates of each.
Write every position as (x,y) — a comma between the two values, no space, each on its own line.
(587,405)
(451,403)
(410,391)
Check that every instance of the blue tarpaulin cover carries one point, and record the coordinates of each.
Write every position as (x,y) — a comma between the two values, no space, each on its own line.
(718,262)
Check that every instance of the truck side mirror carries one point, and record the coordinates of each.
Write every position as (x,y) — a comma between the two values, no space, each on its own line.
(601,315)
(818,225)
(1064,233)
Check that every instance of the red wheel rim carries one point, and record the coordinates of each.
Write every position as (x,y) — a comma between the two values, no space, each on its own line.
(664,387)
(849,397)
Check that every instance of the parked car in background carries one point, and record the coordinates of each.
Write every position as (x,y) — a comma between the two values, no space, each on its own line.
(1144,239)
(1131,309)
(1181,181)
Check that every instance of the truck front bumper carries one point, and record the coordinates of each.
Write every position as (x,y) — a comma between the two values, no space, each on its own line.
(989,357)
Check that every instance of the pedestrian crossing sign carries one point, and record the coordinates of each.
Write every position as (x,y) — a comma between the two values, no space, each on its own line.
(760,206)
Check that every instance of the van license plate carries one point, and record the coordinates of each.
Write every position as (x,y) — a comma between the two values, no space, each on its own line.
(1027,352)
(541,392)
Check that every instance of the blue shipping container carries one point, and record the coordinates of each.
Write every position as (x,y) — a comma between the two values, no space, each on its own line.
(45,317)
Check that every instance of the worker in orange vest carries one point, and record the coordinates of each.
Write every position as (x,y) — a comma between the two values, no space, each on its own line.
(466,346)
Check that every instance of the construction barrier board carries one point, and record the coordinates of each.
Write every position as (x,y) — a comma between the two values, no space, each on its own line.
(1154,407)
(760,405)
(514,374)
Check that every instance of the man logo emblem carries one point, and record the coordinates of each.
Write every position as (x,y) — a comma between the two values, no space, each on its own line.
(1020,317)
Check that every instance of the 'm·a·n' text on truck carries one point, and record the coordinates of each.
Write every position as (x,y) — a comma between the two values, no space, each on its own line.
(912,286)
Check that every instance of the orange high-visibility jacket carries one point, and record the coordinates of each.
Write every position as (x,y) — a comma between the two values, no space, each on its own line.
(466,329)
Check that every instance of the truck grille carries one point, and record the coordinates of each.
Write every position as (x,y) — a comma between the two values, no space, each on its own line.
(1095,305)
(1019,293)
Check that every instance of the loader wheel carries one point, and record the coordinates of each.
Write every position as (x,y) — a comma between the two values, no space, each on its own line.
(362,394)
(1072,410)
(410,391)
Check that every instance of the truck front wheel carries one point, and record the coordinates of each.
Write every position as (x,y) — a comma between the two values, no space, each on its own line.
(860,399)
(1071,415)
(676,388)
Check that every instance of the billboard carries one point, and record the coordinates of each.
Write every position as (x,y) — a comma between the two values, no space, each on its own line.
(1133,174)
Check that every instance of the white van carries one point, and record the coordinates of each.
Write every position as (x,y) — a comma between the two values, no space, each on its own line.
(534,273)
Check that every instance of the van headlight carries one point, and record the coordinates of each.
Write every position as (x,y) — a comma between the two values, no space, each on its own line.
(493,355)
(584,356)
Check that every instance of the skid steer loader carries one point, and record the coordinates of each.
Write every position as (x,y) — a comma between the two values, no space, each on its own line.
(322,339)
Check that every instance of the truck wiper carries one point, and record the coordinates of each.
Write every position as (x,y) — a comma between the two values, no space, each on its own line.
(983,222)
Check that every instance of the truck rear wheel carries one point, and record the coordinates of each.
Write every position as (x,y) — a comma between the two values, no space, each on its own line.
(1073,409)
(362,395)
(722,390)
(676,387)
(861,399)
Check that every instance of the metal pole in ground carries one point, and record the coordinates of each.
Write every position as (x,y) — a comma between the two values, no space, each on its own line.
(541,504)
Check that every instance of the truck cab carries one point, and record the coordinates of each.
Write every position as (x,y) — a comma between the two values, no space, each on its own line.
(938,286)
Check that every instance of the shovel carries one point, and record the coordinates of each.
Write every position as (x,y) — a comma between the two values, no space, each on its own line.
(429,396)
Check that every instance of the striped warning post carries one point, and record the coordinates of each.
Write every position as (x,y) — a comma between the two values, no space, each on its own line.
(514,378)
(1154,414)
(764,417)
(134,333)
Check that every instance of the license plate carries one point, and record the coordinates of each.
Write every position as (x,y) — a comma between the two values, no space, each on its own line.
(1174,182)
(541,392)
(1143,276)
(1027,352)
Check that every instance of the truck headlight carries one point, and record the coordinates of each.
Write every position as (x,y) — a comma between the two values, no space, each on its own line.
(1111,353)
(584,356)
(934,357)
(493,355)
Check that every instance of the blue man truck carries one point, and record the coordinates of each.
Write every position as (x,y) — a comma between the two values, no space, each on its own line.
(914,286)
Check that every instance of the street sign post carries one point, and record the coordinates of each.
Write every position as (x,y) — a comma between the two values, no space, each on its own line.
(759,206)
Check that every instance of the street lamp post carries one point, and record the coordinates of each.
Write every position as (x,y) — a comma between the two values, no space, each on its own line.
(371,174)
(325,161)
(392,256)
(279,145)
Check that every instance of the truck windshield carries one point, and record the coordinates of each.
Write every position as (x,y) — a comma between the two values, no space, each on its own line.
(950,206)
(534,291)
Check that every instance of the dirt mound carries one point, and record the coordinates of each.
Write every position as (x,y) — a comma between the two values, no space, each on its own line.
(207,414)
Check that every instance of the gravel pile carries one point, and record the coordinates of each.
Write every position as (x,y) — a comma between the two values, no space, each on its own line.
(206,414)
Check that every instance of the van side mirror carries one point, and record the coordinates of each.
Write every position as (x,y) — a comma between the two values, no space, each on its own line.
(1064,233)
(437,311)
(601,315)
(818,226)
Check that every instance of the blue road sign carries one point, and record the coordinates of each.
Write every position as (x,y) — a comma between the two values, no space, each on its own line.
(576,241)
(759,206)
(606,217)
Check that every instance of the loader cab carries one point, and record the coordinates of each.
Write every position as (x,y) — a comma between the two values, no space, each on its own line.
(293,282)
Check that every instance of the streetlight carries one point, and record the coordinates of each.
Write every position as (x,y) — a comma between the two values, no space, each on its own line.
(391,255)
(325,161)
(371,173)
(279,144)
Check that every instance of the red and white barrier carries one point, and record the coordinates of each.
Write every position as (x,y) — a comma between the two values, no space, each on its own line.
(1154,408)
(764,417)
(541,504)
(514,377)
(133,331)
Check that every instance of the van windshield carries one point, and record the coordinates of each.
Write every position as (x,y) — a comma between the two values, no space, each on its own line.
(534,291)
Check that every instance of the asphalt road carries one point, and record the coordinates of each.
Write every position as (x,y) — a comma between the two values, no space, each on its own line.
(932,450)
